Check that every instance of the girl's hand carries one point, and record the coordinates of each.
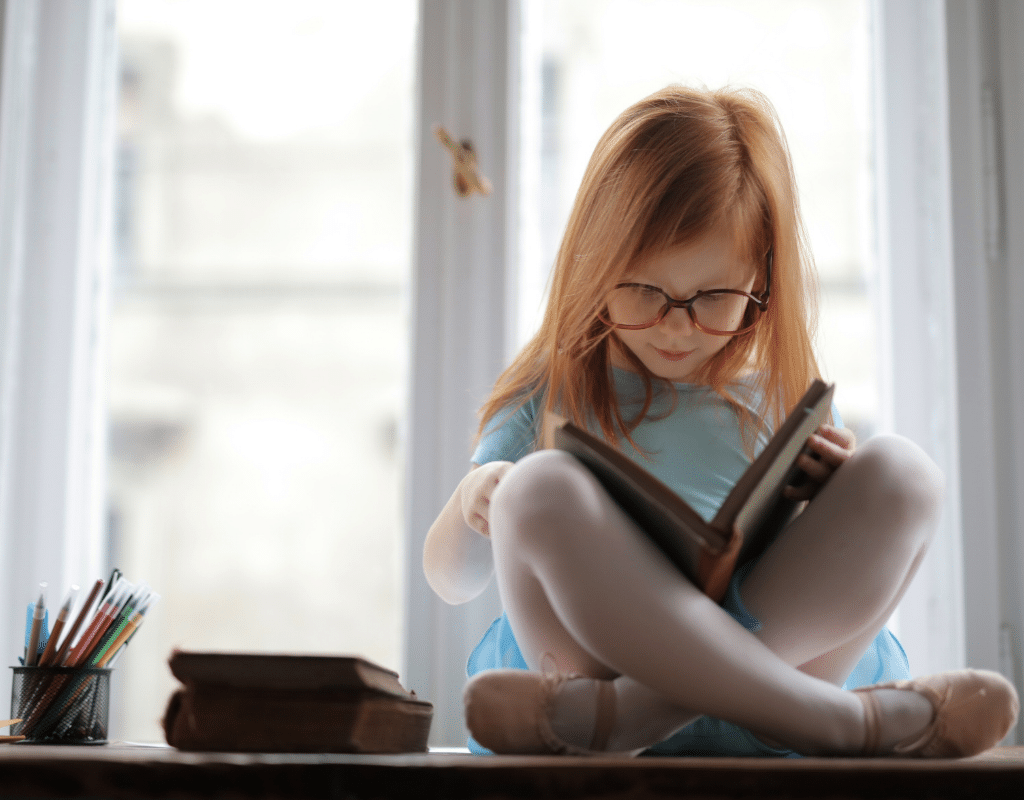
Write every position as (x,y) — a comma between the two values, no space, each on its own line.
(477,488)
(830,447)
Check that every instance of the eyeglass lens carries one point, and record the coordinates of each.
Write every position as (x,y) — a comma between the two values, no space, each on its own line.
(638,305)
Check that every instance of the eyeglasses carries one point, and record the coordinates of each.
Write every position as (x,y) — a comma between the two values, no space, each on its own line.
(720,312)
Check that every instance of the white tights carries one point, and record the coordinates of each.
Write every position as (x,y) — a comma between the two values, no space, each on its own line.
(581,583)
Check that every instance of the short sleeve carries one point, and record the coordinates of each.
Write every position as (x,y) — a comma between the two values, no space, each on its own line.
(837,419)
(510,435)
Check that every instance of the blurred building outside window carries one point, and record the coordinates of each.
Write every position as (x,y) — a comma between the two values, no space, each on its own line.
(259,332)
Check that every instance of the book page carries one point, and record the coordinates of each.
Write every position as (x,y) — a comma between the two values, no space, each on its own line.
(758,493)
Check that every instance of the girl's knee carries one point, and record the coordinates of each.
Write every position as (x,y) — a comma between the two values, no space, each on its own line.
(545,490)
(900,477)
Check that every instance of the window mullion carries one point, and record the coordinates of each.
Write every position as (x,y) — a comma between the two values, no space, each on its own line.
(916,298)
(1010,34)
(462,312)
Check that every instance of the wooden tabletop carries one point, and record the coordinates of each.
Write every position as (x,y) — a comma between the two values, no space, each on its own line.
(125,771)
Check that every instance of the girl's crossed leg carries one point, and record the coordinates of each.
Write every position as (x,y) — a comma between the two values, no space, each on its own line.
(581,584)
(833,578)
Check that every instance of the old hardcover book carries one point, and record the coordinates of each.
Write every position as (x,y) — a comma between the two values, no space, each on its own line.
(224,719)
(284,671)
(252,702)
(755,509)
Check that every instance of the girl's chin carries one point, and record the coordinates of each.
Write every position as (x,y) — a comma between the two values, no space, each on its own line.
(682,374)
(674,370)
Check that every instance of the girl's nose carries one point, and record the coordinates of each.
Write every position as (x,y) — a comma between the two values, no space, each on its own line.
(678,320)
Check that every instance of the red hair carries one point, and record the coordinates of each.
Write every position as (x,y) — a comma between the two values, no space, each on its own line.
(671,169)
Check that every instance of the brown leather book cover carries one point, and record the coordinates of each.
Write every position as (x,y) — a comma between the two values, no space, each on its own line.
(284,671)
(752,513)
(251,702)
(232,720)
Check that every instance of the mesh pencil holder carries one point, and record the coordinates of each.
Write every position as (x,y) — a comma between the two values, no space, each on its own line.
(61,705)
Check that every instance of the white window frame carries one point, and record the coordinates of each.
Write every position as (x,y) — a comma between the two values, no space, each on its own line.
(986,83)
(1008,336)
(951,155)
(463,309)
(916,277)
(57,99)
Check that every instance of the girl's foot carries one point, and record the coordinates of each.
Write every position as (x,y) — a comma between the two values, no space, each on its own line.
(512,711)
(972,710)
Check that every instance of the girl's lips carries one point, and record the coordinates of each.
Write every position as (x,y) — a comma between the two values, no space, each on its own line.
(674,355)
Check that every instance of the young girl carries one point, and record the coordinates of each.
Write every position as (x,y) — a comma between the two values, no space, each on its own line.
(679,327)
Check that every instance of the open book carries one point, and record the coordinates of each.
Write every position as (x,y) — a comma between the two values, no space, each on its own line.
(754,511)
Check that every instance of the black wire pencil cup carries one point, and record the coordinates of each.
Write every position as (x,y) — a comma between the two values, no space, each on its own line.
(63,695)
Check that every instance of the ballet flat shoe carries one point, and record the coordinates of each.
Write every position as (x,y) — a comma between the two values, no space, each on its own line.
(509,711)
(974,710)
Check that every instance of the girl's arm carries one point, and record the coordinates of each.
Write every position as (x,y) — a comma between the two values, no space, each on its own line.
(457,554)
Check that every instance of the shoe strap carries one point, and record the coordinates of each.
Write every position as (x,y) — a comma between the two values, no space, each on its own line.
(919,743)
(604,719)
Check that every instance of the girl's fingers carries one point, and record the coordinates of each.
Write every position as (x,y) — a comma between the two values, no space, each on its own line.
(830,447)
(818,471)
(843,437)
(480,524)
(829,451)
(805,492)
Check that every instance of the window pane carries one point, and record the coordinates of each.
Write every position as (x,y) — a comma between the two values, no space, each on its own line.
(259,329)
(810,58)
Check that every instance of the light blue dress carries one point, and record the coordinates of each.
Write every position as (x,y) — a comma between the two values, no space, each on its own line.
(697,449)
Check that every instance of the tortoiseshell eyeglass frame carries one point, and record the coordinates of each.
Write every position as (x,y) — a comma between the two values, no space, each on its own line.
(760,301)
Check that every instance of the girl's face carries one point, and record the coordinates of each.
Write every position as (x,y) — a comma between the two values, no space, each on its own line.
(674,349)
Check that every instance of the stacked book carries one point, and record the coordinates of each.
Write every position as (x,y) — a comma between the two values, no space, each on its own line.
(251,702)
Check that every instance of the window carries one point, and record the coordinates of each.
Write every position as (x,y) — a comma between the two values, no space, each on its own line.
(258,330)
(894,112)
(947,95)
(813,62)
(577,65)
